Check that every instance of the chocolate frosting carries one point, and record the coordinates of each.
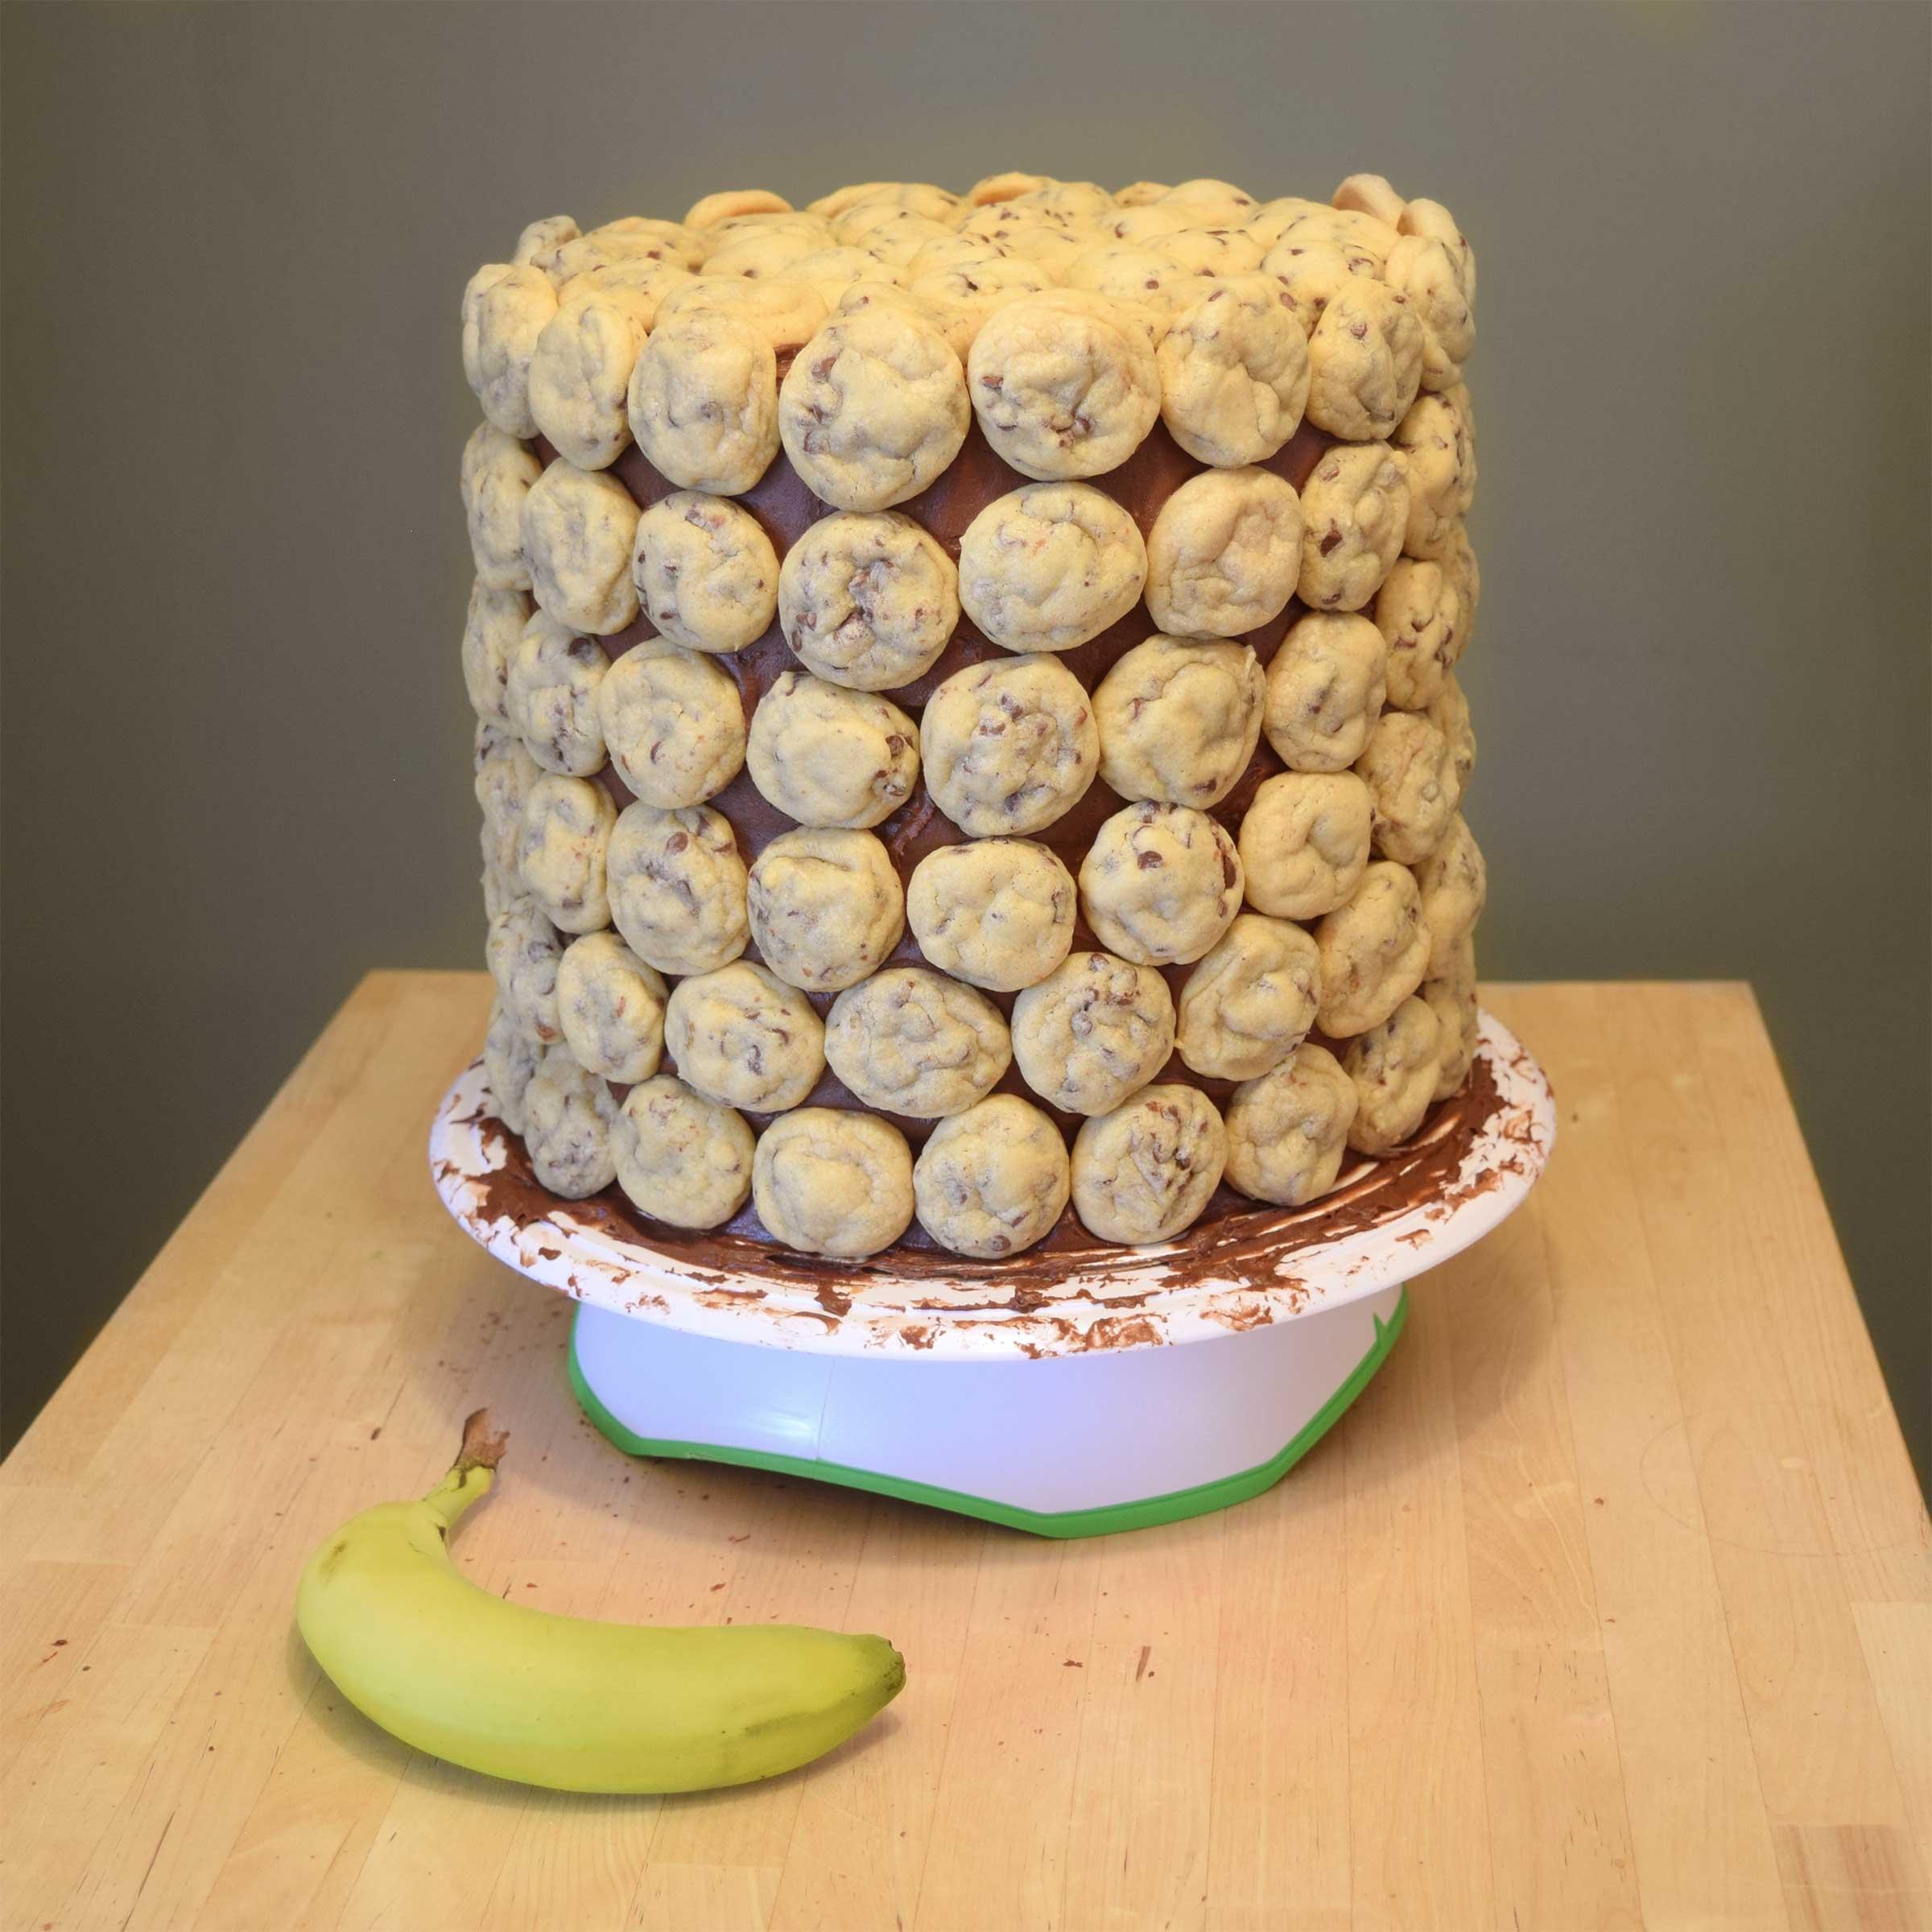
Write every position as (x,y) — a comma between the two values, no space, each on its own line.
(786,509)
(1234,1231)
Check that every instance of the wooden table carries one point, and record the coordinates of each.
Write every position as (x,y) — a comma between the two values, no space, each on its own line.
(1608,1604)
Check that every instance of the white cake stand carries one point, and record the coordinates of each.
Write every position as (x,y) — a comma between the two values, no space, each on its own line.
(1067,1396)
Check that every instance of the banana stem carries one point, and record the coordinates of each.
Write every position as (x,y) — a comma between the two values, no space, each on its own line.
(470,1475)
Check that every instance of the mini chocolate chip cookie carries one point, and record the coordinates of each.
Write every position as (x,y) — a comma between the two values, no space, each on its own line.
(829,1182)
(826,907)
(993,1180)
(1160,883)
(1145,1171)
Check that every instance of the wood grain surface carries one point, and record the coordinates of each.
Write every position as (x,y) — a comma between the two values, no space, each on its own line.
(1608,1605)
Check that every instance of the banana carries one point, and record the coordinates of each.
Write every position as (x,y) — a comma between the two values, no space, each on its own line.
(560,1701)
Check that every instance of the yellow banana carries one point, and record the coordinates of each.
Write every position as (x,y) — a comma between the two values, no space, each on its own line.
(562,1701)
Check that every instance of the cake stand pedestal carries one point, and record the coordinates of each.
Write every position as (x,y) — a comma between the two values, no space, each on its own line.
(1066,1397)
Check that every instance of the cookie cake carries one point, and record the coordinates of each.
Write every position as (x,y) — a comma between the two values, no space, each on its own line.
(968,744)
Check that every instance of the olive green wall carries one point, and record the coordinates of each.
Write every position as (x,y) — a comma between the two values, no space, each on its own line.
(235,739)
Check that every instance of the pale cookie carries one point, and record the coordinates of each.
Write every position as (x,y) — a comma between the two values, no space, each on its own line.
(561,850)
(1060,392)
(911,1041)
(551,698)
(1373,951)
(1438,452)
(965,295)
(1304,843)
(993,1180)
(1049,566)
(1325,685)
(1312,274)
(1458,561)
(1434,223)
(673,724)
(1211,202)
(1225,553)
(679,1158)
(764,221)
(779,312)
(1288,1130)
(566,1118)
(991,188)
(1423,272)
(763,252)
(1454,883)
(611,1006)
(641,278)
(886,198)
(545,233)
(1369,195)
(868,599)
(1147,222)
(497,473)
(677,887)
(826,907)
(578,527)
(1125,271)
(706,573)
(1419,611)
(1053,245)
(704,401)
(830,273)
(1452,999)
(1095,1030)
(1395,1066)
(1268,220)
(956,250)
(510,1054)
(1344,228)
(709,210)
(1067,200)
(579,376)
(1251,1000)
(503,784)
(1008,745)
(828,1181)
(632,241)
(873,410)
(1139,194)
(1411,778)
(473,302)
(1450,715)
(898,240)
(828,207)
(522,950)
(1145,1171)
(742,1036)
(510,313)
(1179,719)
(885,292)
(1234,372)
(1364,362)
(1160,883)
(826,756)
(1355,509)
(998,912)
(1213,252)
(492,628)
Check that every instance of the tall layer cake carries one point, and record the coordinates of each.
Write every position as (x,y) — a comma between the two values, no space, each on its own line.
(969,747)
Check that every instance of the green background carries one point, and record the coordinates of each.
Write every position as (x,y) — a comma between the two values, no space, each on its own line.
(235,741)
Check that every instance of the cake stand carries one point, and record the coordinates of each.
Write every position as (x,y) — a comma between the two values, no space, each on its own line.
(1066,1394)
